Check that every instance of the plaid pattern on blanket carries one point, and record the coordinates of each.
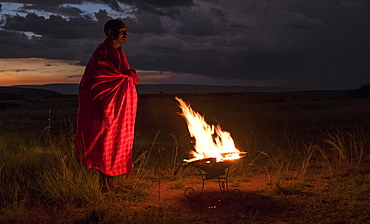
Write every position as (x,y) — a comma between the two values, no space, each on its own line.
(107,112)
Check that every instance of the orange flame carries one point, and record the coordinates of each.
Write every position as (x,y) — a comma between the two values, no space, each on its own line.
(210,141)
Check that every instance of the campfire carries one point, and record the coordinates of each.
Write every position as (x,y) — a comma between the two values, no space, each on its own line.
(214,149)
(210,141)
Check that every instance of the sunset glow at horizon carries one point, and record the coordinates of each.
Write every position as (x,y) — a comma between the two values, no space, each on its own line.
(41,71)
(38,71)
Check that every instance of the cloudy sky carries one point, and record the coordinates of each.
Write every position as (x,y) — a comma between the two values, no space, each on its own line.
(301,44)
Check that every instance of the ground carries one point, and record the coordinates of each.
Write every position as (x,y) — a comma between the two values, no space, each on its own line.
(257,202)
(261,201)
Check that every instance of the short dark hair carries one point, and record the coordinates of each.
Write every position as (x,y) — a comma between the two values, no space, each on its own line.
(113,25)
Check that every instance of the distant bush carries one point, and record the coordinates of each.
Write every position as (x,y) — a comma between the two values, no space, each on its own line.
(14,93)
(361,92)
(9,105)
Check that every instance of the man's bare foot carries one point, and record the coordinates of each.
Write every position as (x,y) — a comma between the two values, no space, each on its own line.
(105,181)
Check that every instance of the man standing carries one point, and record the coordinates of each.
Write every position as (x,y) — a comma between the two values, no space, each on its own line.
(107,108)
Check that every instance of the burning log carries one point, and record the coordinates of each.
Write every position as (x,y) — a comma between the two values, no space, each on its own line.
(210,166)
(210,141)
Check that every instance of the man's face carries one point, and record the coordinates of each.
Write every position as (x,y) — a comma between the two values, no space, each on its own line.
(122,35)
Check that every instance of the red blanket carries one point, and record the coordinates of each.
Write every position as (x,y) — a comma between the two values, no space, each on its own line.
(107,112)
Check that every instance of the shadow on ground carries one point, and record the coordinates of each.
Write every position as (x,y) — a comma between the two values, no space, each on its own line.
(217,207)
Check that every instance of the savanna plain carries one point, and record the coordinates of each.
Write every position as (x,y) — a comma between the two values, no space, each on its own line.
(307,161)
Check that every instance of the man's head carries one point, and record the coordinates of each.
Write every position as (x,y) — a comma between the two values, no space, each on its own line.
(115,30)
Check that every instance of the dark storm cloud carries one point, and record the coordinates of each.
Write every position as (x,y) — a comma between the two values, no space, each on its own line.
(54,6)
(313,45)
(317,43)
(158,3)
(18,45)
(196,24)
(47,4)
(61,10)
(55,27)
(145,23)
(60,38)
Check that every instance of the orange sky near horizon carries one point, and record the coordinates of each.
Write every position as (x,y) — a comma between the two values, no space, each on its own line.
(40,71)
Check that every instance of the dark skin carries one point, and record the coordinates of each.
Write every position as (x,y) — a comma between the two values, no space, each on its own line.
(120,39)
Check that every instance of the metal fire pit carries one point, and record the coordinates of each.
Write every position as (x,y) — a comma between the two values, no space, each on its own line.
(209,169)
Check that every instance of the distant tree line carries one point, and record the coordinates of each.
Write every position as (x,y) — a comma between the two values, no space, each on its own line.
(361,92)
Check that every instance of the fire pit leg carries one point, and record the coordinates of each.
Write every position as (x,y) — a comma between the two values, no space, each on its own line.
(190,193)
(209,169)
(235,194)
(222,183)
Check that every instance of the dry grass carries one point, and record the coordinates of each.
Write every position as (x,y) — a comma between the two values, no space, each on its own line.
(312,149)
